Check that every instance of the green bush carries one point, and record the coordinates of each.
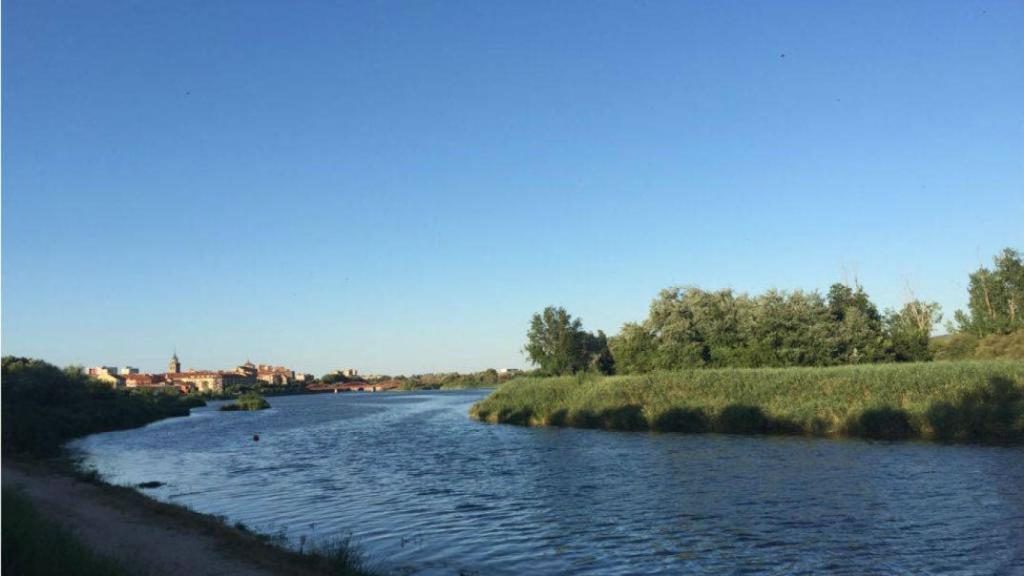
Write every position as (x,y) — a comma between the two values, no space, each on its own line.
(958,346)
(1001,346)
(44,406)
(963,346)
(247,402)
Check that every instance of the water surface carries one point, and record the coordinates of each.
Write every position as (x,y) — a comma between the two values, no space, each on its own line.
(423,489)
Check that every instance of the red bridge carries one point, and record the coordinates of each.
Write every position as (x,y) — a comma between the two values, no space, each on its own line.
(357,386)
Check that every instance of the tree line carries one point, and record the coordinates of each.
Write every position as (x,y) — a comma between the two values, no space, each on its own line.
(44,406)
(688,327)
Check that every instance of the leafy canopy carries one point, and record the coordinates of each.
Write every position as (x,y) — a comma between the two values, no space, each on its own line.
(558,344)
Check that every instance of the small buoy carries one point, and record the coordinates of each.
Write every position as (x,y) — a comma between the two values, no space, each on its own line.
(255,437)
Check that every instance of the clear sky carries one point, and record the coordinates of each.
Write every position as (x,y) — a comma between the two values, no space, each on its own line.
(398,186)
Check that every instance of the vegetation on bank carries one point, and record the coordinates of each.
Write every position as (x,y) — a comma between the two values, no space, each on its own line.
(489,378)
(44,406)
(36,546)
(976,401)
(688,327)
(995,298)
(964,346)
(264,389)
(247,402)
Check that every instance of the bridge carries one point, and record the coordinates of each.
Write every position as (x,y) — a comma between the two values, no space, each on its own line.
(355,386)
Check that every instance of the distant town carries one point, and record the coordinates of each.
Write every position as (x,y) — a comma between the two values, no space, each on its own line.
(249,375)
(201,381)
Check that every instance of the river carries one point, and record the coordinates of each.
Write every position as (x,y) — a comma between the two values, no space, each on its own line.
(422,489)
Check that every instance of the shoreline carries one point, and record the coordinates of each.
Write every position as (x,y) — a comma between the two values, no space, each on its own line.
(158,538)
(979,402)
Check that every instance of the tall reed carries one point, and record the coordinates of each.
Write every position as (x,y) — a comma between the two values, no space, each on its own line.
(973,401)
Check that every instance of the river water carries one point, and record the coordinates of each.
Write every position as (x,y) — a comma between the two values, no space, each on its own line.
(422,489)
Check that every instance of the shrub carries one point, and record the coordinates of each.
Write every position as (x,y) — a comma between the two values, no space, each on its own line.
(958,346)
(1001,346)
(247,402)
(43,406)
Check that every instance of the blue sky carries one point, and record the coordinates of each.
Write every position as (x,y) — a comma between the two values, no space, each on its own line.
(398,186)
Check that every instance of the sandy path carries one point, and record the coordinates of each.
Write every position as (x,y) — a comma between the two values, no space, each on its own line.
(150,542)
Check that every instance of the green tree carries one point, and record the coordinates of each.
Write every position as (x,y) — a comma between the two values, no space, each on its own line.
(556,342)
(995,297)
(334,378)
(600,357)
(790,329)
(633,349)
(489,376)
(691,328)
(910,330)
(858,332)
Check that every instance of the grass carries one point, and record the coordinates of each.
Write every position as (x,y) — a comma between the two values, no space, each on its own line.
(34,545)
(971,401)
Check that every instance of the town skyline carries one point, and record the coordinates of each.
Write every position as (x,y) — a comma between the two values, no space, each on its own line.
(200,379)
(124,369)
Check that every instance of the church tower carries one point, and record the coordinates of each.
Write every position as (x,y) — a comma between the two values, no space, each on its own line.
(174,366)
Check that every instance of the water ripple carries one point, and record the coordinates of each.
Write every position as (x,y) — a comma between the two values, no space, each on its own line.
(424,490)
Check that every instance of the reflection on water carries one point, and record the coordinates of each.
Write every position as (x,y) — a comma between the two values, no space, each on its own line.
(425,490)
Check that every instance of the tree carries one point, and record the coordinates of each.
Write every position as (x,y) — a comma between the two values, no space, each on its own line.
(790,329)
(692,328)
(334,378)
(910,330)
(995,297)
(599,355)
(558,344)
(633,349)
(858,334)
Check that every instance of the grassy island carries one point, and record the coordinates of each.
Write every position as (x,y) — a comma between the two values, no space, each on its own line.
(247,402)
(971,401)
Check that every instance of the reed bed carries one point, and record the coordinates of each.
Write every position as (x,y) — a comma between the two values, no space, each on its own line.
(970,401)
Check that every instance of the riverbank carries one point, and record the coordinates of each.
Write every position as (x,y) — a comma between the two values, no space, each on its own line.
(60,519)
(980,401)
(120,527)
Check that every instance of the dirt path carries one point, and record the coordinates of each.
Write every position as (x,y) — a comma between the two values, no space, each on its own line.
(151,537)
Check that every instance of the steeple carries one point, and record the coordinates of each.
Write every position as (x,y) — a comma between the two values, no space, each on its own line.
(174,366)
